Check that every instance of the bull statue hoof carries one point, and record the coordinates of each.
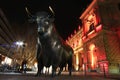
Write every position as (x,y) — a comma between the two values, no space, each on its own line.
(70,74)
(53,74)
(37,75)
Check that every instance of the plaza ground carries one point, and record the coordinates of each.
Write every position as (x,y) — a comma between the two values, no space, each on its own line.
(64,76)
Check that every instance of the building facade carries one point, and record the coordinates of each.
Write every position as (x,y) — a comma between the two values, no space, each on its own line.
(96,44)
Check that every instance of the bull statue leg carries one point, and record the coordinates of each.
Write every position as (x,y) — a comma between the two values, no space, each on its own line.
(40,67)
(62,64)
(70,70)
(61,69)
(54,71)
(70,65)
(38,57)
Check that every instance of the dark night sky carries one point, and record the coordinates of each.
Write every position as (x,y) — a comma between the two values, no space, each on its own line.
(67,12)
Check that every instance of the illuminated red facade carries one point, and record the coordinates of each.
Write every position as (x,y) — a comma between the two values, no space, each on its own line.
(96,44)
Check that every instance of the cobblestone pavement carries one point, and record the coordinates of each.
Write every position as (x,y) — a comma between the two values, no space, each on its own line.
(64,76)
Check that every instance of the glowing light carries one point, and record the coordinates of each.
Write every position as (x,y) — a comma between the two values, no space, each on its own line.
(90,18)
(47,70)
(78,50)
(91,32)
(7,61)
(77,59)
(83,66)
(84,37)
(71,35)
(79,27)
(75,31)
(92,47)
(19,43)
(77,67)
(92,63)
(35,64)
(98,28)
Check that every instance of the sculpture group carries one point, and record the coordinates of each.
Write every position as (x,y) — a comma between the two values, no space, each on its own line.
(51,48)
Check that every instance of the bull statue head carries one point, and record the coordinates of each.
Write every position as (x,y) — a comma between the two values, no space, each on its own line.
(44,20)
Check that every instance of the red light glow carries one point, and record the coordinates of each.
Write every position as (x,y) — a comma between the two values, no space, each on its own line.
(92,47)
(98,28)
(79,27)
(84,37)
(91,32)
(75,31)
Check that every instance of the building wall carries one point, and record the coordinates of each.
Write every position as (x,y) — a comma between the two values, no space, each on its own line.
(6,38)
(100,37)
(109,12)
(6,34)
(107,42)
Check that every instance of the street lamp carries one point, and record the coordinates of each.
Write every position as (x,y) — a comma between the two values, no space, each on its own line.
(21,44)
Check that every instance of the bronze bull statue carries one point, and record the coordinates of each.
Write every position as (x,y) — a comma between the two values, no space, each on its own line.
(51,50)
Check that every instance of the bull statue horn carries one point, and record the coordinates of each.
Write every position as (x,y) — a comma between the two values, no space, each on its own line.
(50,8)
(32,17)
(28,12)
